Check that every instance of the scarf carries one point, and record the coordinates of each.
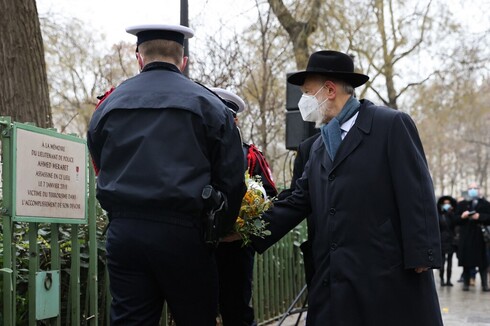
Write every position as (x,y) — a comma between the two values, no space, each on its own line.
(331,132)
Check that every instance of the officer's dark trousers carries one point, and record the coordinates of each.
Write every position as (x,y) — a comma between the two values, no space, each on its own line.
(152,262)
(235,269)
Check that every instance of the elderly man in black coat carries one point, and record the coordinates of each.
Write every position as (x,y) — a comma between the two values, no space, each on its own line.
(369,198)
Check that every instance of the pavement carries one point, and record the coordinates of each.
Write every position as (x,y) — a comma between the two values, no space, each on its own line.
(458,308)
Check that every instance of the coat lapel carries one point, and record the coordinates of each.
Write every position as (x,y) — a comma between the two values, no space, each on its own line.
(349,144)
(326,160)
(319,153)
(354,137)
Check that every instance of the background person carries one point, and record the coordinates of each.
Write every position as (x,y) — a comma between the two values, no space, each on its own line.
(472,214)
(235,262)
(447,224)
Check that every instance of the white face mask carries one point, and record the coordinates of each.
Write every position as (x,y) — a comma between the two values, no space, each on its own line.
(308,107)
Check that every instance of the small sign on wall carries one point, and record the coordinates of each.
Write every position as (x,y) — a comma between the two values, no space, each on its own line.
(49,176)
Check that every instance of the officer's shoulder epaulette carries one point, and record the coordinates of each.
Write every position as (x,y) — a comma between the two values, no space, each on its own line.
(203,86)
(209,90)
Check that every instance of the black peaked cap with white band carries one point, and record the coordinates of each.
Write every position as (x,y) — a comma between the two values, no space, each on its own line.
(148,32)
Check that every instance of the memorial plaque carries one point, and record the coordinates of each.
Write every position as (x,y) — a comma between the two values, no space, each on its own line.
(50,176)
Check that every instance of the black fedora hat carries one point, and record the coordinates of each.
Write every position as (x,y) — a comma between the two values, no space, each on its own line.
(330,63)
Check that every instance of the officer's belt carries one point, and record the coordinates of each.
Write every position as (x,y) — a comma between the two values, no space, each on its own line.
(156,215)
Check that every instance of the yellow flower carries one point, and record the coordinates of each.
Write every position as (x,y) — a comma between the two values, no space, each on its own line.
(249,197)
(254,204)
(240,222)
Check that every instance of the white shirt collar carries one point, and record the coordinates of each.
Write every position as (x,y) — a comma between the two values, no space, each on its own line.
(346,126)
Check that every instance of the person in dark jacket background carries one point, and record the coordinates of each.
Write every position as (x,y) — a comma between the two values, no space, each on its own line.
(447,223)
(157,140)
(235,262)
(472,214)
(369,196)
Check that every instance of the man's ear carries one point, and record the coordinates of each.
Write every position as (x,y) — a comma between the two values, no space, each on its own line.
(331,89)
(184,63)
(140,60)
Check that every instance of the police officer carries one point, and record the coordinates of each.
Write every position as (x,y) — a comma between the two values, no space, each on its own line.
(235,262)
(157,140)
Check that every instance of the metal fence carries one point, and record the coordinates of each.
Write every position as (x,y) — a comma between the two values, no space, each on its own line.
(71,258)
(279,277)
(85,299)
(37,283)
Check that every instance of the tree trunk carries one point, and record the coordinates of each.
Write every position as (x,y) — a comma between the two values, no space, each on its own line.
(23,82)
(298,31)
(388,70)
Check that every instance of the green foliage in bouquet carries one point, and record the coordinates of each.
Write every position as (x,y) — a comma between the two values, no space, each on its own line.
(254,203)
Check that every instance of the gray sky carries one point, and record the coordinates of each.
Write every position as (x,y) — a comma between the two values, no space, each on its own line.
(111,17)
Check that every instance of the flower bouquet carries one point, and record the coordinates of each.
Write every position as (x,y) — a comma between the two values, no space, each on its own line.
(254,203)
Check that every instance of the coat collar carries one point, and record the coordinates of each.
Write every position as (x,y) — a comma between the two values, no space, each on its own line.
(365,118)
(160,65)
(361,128)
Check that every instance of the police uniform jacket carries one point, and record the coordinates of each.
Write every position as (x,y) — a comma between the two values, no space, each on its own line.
(374,220)
(158,139)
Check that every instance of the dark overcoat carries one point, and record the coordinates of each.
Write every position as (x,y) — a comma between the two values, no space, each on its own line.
(375,220)
(471,249)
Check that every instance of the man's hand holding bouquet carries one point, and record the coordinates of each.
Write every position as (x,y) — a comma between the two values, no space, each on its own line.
(254,203)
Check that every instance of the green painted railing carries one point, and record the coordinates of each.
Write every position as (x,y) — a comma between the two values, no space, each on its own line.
(278,275)
(278,279)
(25,242)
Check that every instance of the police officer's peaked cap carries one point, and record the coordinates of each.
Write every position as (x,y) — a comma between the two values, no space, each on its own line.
(150,32)
(233,101)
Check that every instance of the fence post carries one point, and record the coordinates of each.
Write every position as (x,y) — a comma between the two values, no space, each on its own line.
(55,262)
(75,276)
(92,269)
(33,268)
(8,270)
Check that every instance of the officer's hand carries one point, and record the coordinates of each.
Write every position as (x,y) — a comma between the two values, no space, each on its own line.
(231,237)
